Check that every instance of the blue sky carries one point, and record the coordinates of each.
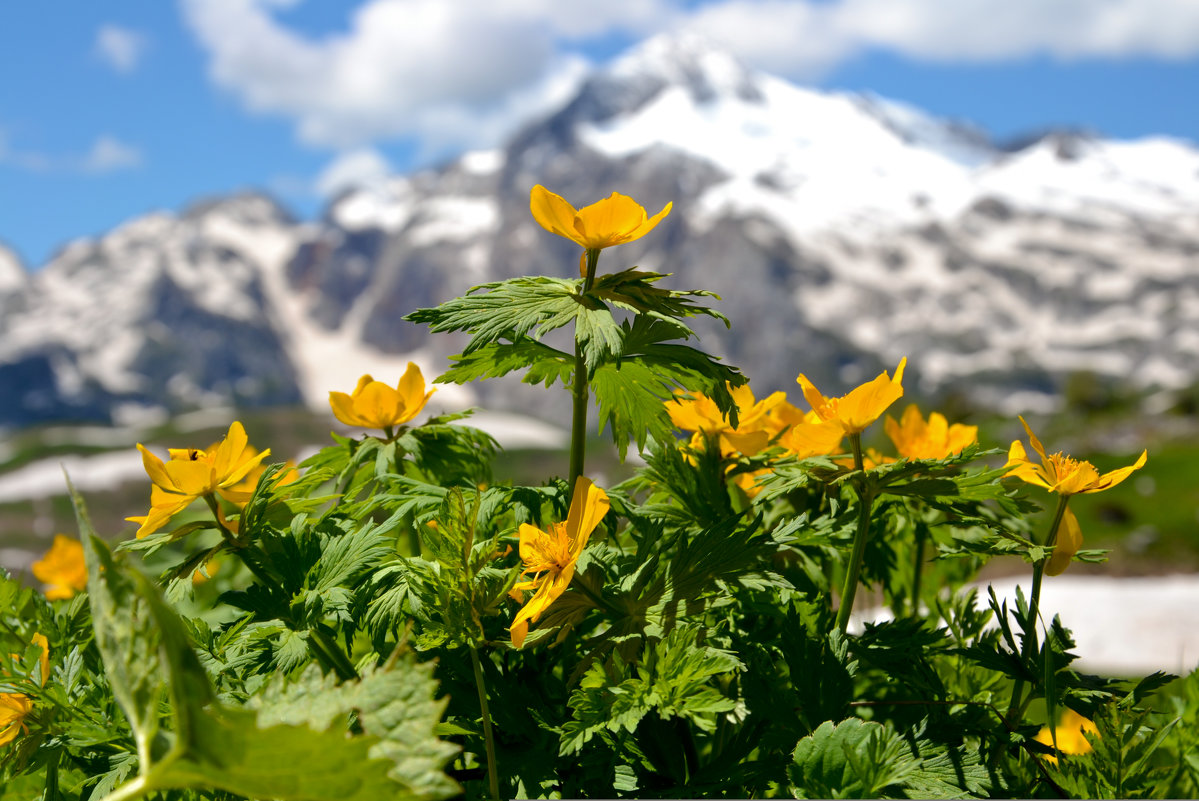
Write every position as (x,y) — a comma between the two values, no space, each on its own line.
(111,110)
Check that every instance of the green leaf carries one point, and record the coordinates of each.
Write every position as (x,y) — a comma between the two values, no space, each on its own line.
(545,365)
(852,759)
(506,310)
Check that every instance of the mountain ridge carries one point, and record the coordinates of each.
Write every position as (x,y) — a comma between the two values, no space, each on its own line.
(843,232)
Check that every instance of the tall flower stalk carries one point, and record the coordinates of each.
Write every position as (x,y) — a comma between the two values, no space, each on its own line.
(615,220)
(1064,476)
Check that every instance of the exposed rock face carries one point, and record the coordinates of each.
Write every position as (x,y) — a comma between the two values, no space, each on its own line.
(843,232)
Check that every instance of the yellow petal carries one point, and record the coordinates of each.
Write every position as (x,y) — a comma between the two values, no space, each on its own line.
(378,404)
(191,478)
(588,505)
(554,214)
(812,395)
(865,404)
(230,450)
(343,409)
(610,221)
(362,384)
(1109,480)
(1036,443)
(155,468)
(1069,540)
(412,385)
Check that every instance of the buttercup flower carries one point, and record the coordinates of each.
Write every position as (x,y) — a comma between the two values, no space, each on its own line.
(1066,476)
(915,438)
(191,473)
(1070,733)
(1063,474)
(862,406)
(615,220)
(374,404)
(62,568)
(551,556)
(15,707)
(700,414)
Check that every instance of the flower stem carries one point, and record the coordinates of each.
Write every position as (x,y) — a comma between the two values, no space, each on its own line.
(918,567)
(337,660)
(1016,707)
(579,390)
(493,779)
(865,504)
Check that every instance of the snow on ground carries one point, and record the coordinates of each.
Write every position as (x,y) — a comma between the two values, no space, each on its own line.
(44,478)
(1122,626)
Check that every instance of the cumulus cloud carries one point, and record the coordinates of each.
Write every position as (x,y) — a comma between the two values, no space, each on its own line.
(454,74)
(404,67)
(120,48)
(804,39)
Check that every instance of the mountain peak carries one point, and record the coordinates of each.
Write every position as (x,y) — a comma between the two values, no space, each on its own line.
(689,61)
(12,272)
(705,72)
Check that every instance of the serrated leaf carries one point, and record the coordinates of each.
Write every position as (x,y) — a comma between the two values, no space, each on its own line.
(506,310)
(545,365)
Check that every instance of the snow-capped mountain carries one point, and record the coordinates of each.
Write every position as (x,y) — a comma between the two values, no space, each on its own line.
(842,231)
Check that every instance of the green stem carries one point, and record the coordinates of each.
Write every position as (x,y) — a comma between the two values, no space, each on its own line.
(865,504)
(918,567)
(493,779)
(239,546)
(579,389)
(335,657)
(1015,707)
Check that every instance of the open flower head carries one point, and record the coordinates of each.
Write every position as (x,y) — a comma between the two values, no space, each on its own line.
(191,473)
(374,404)
(700,414)
(1066,476)
(855,411)
(550,556)
(615,220)
(16,707)
(1063,474)
(917,438)
(1070,733)
(62,569)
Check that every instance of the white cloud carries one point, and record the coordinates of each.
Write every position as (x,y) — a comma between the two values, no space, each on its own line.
(107,154)
(406,67)
(120,48)
(453,74)
(357,168)
(803,39)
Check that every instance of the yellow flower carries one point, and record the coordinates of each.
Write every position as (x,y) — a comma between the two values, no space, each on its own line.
(1066,476)
(615,220)
(374,404)
(15,707)
(551,556)
(205,571)
(862,406)
(62,568)
(191,473)
(700,414)
(1070,733)
(935,439)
